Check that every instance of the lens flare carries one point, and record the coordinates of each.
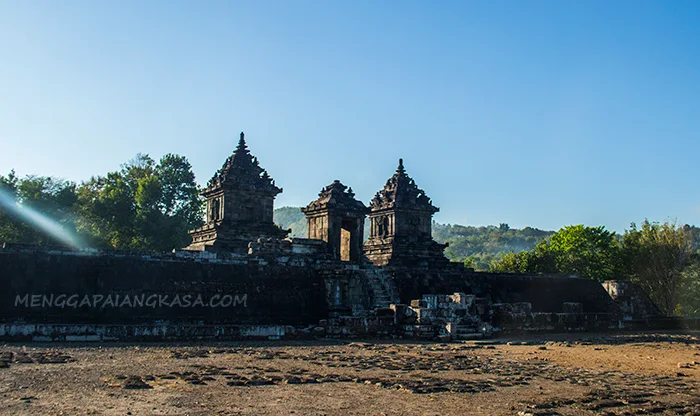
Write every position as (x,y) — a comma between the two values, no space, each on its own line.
(38,220)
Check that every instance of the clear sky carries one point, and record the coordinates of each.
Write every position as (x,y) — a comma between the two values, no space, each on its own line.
(532,113)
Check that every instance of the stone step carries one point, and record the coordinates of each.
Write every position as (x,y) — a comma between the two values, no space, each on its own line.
(381,289)
(466,332)
(468,336)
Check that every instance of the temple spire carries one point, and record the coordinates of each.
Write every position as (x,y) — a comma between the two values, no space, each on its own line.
(241,144)
(243,168)
(400,169)
(401,190)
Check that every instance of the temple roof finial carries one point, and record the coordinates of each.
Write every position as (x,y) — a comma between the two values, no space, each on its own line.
(242,169)
(241,143)
(401,190)
(336,196)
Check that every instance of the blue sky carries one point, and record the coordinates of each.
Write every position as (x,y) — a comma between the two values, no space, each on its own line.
(531,113)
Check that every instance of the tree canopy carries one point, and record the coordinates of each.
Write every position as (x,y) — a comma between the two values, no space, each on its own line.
(661,257)
(143,206)
(657,256)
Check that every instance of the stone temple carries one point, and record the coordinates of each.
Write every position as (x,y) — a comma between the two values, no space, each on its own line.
(397,283)
(239,205)
(337,218)
(401,218)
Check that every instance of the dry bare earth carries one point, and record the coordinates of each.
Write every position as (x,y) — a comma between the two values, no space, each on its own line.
(617,375)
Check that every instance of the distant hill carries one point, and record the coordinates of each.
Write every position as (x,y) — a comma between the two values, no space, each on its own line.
(292,217)
(478,245)
(481,245)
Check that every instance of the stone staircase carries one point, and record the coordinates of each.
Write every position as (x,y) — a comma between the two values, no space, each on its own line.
(382,287)
(465,332)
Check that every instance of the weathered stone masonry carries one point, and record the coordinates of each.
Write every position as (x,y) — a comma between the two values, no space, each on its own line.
(398,283)
(275,294)
(337,218)
(400,225)
(239,206)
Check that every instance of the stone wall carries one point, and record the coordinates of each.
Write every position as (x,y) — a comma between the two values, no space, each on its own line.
(544,293)
(258,293)
(633,301)
(292,287)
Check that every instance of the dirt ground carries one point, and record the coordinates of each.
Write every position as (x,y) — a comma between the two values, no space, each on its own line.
(630,374)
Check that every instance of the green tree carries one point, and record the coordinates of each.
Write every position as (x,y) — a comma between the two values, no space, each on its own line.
(141,166)
(51,197)
(180,194)
(589,252)
(655,256)
(11,230)
(689,299)
(470,262)
(511,263)
(144,206)
(106,212)
(150,222)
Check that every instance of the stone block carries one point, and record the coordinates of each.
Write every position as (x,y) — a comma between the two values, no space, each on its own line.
(572,307)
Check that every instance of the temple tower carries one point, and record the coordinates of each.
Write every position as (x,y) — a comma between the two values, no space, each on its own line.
(239,205)
(339,219)
(401,224)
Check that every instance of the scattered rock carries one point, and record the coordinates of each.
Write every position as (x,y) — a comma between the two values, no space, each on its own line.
(360,344)
(135,383)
